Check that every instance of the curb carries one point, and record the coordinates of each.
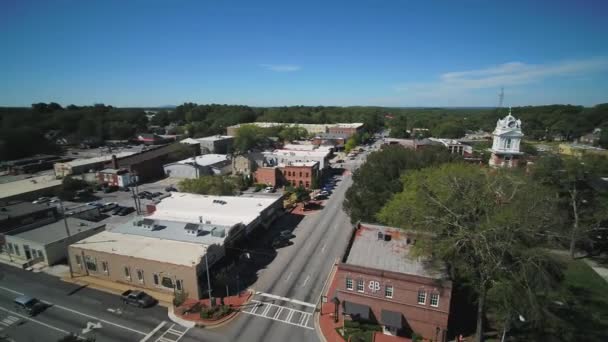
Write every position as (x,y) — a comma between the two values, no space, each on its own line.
(220,323)
(331,275)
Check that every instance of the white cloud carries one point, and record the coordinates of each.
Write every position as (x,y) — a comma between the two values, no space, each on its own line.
(508,74)
(281,67)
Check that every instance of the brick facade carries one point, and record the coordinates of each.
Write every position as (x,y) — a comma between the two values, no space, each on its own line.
(300,175)
(423,319)
(267,175)
(343,130)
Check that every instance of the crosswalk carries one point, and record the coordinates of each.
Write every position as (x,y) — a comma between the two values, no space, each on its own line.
(280,313)
(8,321)
(173,334)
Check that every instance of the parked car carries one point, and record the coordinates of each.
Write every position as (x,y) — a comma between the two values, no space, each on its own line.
(41,200)
(108,206)
(109,189)
(54,200)
(126,211)
(286,234)
(324,193)
(125,189)
(170,188)
(269,189)
(278,242)
(138,298)
(156,194)
(95,204)
(29,305)
(117,209)
(340,161)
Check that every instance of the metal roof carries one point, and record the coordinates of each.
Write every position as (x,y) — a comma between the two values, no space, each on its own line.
(56,231)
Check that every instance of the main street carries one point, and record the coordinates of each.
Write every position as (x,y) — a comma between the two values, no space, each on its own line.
(287,291)
(290,287)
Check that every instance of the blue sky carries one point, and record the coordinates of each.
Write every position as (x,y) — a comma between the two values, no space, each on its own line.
(266,53)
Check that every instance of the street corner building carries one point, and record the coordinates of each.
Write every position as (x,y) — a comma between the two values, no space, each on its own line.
(378,281)
(172,247)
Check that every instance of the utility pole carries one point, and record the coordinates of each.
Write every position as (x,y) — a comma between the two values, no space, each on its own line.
(67,231)
(208,276)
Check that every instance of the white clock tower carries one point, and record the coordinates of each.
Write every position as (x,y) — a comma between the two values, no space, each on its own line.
(507,139)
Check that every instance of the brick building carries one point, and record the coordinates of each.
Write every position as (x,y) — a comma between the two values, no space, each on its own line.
(380,283)
(114,177)
(267,175)
(300,174)
(347,129)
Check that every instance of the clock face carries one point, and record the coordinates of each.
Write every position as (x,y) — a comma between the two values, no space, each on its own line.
(512,124)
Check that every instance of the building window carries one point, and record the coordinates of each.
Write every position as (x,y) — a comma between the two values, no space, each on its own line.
(349,284)
(78,261)
(307,184)
(104,267)
(306,174)
(435,299)
(388,291)
(300,173)
(422,297)
(140,276)
(10,248)
(360,286)
(17,252)
(155,279)
(40,255)
(127,272)
(167,282)
(179,285)
(508,143)
(91,263)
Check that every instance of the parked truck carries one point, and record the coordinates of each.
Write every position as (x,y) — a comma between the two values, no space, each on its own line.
(137,298)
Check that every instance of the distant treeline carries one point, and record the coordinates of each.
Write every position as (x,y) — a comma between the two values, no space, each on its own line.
(23,130)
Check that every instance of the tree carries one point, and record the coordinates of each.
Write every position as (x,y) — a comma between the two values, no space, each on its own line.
(209,185)
(248,137)
(68,188)
(378,179)
(572,179)
(604,138)
(288,134)
(486,225)
(450,130)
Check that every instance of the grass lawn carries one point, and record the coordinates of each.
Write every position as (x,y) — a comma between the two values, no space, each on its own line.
(584,315)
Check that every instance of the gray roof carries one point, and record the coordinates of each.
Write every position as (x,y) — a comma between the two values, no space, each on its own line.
(16,209)
(173,230)
(369,250)
(56,231)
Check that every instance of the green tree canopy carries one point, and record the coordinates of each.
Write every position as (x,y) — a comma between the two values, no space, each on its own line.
(486,225)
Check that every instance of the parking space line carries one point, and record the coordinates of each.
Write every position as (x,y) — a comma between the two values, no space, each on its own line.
(151,333)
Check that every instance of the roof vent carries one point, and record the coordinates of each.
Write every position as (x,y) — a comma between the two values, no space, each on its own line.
(387,237)
(380,236)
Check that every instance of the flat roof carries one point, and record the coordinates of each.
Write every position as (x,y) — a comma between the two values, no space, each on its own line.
(306,147)
(215,138)
(368,250)
(285,153)
(143,247)
(56,231)
(15,209)
(28,185)
(219,210)
(100,159)
(172,230)
(348,125)
(299,164)
(206,159)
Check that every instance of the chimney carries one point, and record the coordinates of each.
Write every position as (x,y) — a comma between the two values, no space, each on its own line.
(114,162)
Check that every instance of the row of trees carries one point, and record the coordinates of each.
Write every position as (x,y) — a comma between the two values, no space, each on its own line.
(213,185)
(539,122)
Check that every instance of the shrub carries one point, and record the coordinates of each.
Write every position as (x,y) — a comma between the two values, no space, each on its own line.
(179,298)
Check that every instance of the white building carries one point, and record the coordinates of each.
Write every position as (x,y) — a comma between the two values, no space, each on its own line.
(207,164)
(277,157)
(219,210)
(506,144)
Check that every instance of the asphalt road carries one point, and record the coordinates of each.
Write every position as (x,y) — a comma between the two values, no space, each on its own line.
(291,285)
(82,311)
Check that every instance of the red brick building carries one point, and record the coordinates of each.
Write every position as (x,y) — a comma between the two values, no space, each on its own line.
(379,283)
(300,174)
(267,175)
(114,177)
(347,129)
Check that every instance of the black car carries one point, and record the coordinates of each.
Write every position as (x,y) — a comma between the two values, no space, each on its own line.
(126,211)
(170,188)
(117,209)
(29,305)
(156,194)
(279,242)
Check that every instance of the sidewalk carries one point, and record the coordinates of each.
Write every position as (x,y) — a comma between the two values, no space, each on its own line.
(164,299)
(327,322)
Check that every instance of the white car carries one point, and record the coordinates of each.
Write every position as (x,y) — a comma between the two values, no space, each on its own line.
(269,189)
(41,200)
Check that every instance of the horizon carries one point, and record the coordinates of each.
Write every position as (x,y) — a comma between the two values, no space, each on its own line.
(274,54)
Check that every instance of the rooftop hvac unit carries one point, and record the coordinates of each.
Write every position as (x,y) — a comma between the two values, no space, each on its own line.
(380,236)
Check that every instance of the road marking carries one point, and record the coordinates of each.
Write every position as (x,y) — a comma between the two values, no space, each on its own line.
(80,313)
(90,327)
(302,320)
(171,331)
(295,301)
(323,248)
(306,281)
(158,327)
(289,276)
(9,320)
(36,321)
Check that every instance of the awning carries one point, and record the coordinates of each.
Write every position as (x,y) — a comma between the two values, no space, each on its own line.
(392,319)
(357,311)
